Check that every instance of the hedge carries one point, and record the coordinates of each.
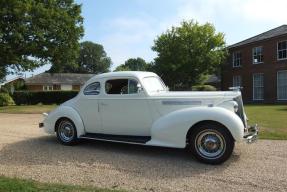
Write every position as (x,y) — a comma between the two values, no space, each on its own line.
(203,88)
(6,99)
(44,97)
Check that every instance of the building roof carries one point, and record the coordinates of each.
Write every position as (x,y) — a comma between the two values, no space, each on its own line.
(58,78)
(11,80)
(278,31)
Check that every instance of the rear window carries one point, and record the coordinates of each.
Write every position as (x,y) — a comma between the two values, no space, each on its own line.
(92,89)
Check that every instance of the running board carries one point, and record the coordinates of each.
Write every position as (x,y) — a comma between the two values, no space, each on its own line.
(117,138)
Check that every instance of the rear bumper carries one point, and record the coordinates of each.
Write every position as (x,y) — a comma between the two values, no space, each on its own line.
(252,134)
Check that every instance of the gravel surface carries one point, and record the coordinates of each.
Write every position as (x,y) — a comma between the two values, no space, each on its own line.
(27,152)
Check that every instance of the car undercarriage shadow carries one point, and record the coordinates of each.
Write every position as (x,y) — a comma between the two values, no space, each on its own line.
(132,159)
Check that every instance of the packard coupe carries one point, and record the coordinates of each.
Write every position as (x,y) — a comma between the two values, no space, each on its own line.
(137,108)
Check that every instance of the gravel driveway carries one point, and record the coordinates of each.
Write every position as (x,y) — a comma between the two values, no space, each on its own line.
(27,152)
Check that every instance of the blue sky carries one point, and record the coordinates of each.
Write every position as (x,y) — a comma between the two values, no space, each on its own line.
(127,28)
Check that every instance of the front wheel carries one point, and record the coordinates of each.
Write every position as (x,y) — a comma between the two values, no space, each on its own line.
(211,143)
(66,132)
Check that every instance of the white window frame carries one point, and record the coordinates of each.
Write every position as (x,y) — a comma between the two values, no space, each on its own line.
(234,60)
(48,87)
(237,78)
(281,50)
(255,54)
(284,99)
(253,88)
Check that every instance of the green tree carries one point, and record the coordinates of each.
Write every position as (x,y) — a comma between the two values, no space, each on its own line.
(36,32)
(2,73)
(186,54)
(133,64)
(92,59)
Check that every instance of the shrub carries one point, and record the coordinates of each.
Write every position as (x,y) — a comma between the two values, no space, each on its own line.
(6,99)
(44,97)
(203,88)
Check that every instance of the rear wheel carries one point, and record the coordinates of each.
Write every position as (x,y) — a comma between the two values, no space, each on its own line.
(66,132)
(211,143)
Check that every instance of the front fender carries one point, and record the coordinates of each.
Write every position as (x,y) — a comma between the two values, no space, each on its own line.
(67,112)
(171,129)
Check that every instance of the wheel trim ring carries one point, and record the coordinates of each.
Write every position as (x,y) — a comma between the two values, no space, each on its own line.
(66,131)
(202,151)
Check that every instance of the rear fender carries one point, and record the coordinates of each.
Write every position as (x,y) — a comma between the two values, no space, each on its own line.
(64,112)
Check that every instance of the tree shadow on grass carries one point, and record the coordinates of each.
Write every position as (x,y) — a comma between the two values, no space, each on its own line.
(282,108)
(130,159)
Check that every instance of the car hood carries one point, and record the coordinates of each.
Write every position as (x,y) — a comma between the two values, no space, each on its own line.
(166,102)
(195,94)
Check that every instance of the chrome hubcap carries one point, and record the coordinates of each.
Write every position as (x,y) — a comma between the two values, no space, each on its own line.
(66,131)
(210,144)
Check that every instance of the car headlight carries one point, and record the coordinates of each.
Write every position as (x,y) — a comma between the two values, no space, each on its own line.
(235,107)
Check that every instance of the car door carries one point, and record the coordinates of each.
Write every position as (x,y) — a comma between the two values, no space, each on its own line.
(124,110)
(88,107)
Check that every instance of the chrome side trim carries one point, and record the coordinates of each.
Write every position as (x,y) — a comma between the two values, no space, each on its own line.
(108,140)
(180,102)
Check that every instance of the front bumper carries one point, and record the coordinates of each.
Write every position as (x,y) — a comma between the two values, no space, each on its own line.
(251,134)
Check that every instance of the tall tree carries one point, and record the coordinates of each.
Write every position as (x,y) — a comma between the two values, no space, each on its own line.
(35,32)
(185,54)
(92,59)
(133,64)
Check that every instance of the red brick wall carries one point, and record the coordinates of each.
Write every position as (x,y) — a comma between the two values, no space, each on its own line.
(55,87)
(35,87)
(269,68)
(76,87)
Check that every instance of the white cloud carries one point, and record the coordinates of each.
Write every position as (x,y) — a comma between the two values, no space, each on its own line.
(269,11)
(247,10)
(129,37)
(133,36)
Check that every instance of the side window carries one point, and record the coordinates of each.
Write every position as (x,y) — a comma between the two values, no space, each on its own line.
(121,86)
(133,86)
(92,89)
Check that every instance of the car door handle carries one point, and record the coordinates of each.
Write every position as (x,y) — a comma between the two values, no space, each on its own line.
(104,104)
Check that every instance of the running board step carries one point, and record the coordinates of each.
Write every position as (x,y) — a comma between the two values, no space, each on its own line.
(119,138)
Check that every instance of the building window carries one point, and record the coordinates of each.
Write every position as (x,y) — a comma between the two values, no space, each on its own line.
(236,59)
(47,87)
(257,55)
(282,85)
(258,86)
(236,81)
(282,50)
(66,87)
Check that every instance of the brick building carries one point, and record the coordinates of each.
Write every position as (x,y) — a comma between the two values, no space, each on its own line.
(259,65)
(56,81)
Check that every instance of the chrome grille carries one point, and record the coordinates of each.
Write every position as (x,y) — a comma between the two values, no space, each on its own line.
(240,111)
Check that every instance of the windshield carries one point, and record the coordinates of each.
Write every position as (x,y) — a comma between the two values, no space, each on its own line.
(153,84)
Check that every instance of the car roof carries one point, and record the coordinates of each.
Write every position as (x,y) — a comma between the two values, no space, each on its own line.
(137,74)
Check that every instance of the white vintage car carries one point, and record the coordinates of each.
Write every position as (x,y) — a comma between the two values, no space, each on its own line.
(137,108)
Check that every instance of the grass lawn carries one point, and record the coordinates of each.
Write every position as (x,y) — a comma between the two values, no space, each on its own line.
(20,185)
(272,120)
(27,109)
